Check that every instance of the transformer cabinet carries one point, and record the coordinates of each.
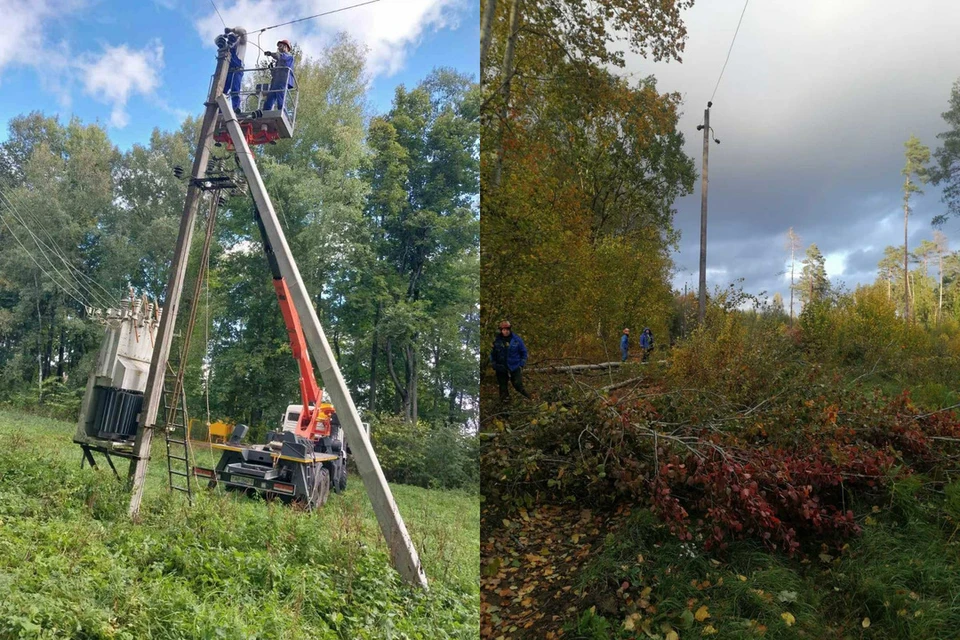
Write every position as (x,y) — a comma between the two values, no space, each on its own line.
(110,410)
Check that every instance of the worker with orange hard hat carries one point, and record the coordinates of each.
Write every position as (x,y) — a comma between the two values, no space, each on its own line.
(282,75)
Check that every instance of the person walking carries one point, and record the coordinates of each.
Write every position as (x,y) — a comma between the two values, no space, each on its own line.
(237,38)
(282,78)
(646,343)
(625,345)
(508,358)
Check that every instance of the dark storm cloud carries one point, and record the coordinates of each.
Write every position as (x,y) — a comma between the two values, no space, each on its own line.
(812,113)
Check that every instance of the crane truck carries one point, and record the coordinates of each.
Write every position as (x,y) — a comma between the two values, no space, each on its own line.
(306,456)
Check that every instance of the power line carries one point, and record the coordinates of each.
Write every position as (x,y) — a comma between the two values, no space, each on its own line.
(218,14)
(55,248)
(325,13)
(83,303)
(56,251)
(69,286)
(730,49)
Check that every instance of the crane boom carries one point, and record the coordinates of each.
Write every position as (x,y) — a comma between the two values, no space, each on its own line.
(313,420)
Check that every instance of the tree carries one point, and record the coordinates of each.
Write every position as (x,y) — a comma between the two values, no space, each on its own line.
(946,169)
(889,268)
(534,35)
(425,177)
(917,156)
(814,285)
(941,248)
(777,306)
(793,244)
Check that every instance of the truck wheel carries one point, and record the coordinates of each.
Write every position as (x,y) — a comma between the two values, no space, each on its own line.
(321,490)
(339,475)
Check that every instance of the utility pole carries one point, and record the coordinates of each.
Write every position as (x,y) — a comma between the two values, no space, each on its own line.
(702,308)
(171,305)
(403,555)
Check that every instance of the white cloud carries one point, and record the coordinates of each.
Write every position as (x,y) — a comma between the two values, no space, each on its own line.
(111,77)
(119,72)
(390,29)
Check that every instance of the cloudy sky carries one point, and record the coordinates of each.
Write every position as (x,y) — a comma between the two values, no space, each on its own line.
(138,64)
(812,112)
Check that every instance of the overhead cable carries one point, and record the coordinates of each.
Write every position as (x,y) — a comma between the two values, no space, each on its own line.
(325,13)
(729,50)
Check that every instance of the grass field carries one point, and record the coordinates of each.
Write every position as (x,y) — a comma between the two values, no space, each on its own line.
(72,565)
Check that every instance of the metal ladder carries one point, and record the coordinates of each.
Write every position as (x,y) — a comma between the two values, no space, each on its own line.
(175,434)
(174,400)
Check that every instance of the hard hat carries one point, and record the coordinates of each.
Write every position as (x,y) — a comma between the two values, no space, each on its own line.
(286,42)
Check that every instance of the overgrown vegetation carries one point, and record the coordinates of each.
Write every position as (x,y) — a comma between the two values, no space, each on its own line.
(73,565)
(435,455)
(817,451)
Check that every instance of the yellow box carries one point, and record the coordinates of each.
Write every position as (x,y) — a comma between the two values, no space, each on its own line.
(220,430)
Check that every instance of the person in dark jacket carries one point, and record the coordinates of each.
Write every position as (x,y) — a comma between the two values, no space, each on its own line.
(625,345)
(237,38)
(282,76)
(646,343)
(508,358)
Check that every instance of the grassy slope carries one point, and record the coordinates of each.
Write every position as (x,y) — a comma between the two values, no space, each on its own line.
(73,565)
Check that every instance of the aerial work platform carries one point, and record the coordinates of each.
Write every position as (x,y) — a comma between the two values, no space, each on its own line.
(259,125)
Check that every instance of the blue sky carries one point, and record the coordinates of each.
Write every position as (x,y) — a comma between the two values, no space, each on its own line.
(136,65)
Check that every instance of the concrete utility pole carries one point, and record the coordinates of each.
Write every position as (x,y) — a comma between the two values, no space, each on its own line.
(171,305)
(702,307)
(403,555)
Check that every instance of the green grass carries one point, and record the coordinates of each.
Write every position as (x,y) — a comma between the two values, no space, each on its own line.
(903,574)
(72,564)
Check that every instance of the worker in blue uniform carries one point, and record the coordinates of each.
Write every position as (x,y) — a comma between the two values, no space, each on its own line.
(282,78)
(237,38)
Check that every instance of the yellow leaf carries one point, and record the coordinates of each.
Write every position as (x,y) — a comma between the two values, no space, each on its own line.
(702,613)
(709,630)
(866,623)
(575,537)
(672,635)
(788,618)
(742,578)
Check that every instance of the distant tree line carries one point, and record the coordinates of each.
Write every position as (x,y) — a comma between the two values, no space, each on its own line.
(381,213)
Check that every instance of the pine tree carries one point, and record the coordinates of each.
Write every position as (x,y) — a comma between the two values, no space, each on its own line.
(813,284)
(917,156)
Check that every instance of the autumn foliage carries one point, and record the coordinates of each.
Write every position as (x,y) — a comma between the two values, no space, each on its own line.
(744,436)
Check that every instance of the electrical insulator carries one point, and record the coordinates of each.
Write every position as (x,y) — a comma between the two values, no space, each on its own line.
(178,171)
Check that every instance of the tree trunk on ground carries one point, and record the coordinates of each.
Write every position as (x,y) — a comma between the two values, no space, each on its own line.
(578,367)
